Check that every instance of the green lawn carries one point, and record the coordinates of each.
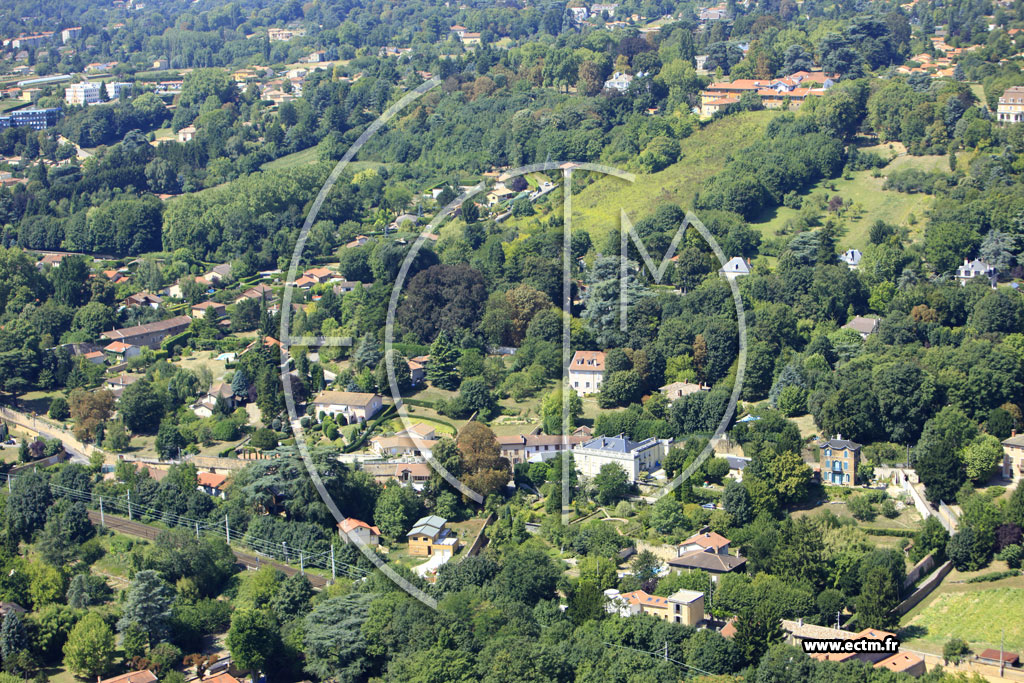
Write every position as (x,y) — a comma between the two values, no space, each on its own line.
(11,105)
(597,207)
(980,613)
(870,202)
(309,156)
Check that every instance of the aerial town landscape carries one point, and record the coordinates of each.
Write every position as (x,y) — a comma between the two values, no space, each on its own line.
(443,341)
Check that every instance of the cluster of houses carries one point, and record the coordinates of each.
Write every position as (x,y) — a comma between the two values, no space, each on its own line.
(791,91)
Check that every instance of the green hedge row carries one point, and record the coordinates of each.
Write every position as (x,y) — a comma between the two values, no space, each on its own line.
(901,533)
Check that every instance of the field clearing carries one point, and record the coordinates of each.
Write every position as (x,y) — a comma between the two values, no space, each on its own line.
(597,207)
(909,519)
(980,613)
(870,201)
(309,156)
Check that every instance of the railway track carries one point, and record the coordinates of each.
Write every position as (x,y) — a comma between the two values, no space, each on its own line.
(246,560)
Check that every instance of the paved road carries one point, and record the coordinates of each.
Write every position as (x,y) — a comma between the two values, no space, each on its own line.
(247,560)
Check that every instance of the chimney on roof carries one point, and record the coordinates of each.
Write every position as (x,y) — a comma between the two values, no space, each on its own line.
(800,621)
(839,437)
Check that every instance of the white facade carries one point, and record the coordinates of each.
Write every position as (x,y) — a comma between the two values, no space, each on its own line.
(114,89)
(976,268)
(734,268)
(632,456)
(586,372)
(78,94)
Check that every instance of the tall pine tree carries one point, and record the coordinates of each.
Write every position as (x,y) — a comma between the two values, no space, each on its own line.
(443,369)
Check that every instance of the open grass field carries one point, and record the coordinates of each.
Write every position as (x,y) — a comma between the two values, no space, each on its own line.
(870,202)
(11,105)
(309,156)
(597,207)
(980,613)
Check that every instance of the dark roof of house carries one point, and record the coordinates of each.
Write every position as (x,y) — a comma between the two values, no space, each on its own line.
(708,561)
(840,443)
(159,326)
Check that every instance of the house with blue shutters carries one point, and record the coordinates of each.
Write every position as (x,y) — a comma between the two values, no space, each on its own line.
(839,458)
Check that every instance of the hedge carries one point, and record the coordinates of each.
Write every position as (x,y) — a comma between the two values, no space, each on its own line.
(176,340)
(388,413)
(901,532)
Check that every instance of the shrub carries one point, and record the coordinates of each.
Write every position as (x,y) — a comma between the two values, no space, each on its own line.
(59,409)
(224,430)
(1012,555)
(860,507)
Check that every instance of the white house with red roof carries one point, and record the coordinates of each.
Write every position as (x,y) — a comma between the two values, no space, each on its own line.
(705,541)
(586,372)
(212,484)
(354,530)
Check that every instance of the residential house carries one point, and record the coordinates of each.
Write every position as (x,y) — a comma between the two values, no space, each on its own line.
(150,334)
(586,372)
(210,310)
(737,463)
(976,268)
(579,14)
(10,608)
(417,372)
(219,272)
(186,134)
(677,390)
(520,448)
(470,38)
(621,81)
(418,440)
(118,277)
(121,382)
(119,352)
(707,560)
(352,405)
(413,474)
(213,484)
(632,456)
(431,536)
(839,458)
(353,530)
(283,34)
(318,275)
(260,292)
(1011,105)
(710,107)
(851,257)
(735,267)
(359,241)
(608,8)
(143,299)
(865,327)
(95,357)
(143,676)
(1013,448)
(797,632)
(458,30)
(703,541)
(52,260)
(682,607)
(207,403)
(160,64)
(699,61)
(718,13)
